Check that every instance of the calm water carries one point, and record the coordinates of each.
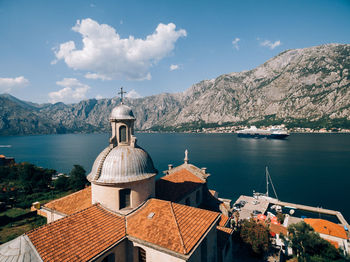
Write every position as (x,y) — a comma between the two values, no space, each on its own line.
(311,169)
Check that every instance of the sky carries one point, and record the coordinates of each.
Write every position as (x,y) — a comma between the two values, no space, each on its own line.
(67,51)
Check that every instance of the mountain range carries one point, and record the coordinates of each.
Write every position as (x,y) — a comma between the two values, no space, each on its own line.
(298,87)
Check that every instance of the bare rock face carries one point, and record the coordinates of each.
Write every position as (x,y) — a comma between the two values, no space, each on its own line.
(308,84)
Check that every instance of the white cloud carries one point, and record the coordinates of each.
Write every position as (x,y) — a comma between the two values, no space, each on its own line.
(8,84)
(133,94)
(106,54)
(174,67)
(271,45)
(97,76)
(99,97)
(235,43)
(72,91)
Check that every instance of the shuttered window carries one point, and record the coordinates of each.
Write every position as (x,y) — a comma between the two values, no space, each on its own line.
(142,255)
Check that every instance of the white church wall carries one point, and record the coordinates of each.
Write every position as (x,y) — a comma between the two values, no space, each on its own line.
(153,255)
(108,195)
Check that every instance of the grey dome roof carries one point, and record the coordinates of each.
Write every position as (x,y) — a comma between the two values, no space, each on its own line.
(122,164)
(121,112)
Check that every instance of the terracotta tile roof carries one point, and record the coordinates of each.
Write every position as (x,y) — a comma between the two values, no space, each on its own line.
(278,229)
(170,225)
(223,220)
(334,243)
(177,185)
(78,237)
(72,203)
(224,234)
(326,227)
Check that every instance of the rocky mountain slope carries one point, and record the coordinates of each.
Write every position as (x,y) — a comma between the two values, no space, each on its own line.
(296,86)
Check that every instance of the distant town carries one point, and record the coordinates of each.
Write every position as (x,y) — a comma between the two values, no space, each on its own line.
(234,129)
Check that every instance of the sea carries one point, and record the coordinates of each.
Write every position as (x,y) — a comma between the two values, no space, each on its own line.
(310,169)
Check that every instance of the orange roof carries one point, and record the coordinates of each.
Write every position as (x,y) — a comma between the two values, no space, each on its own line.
(326,227)
(78,237)
(72,203)
(278,229)
(170,225)
(334,243)
(177,185)
(223,220)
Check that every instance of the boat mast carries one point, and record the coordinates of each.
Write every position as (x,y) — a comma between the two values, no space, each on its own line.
(268,177)
(267,181)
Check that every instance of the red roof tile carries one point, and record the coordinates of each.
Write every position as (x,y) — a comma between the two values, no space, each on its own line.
(170,225)
(326,227)
(177,185)
(72,203)
(78,237)
(278,229)
(223,220)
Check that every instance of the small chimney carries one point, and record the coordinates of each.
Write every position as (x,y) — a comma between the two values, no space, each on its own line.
(204,170)
(170,166)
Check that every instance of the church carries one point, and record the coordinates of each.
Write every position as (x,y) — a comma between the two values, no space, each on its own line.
(129,215)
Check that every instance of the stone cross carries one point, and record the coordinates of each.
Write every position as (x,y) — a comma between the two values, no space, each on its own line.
(121,93)
(186,157)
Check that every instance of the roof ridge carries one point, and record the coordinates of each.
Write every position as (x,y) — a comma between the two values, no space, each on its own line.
(74,193)
(178,227)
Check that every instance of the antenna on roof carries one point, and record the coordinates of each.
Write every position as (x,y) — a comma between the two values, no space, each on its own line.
(121,93)
(186,157)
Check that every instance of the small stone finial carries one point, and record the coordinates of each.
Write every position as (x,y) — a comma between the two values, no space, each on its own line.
(121,93)
(186,157)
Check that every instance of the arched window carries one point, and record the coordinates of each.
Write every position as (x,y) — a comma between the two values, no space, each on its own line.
(122,134)
(124,198)
(142,255)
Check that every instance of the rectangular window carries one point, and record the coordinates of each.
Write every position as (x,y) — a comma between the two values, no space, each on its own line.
(124,198)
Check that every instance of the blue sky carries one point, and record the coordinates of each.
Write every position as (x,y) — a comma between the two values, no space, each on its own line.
(150,47)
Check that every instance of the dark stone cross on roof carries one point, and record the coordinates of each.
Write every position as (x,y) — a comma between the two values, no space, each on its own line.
(121,93)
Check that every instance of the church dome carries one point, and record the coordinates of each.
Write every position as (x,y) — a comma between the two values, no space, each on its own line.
(122,164)
(122,112)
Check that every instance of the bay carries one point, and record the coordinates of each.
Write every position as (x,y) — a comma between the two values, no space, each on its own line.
(310,169)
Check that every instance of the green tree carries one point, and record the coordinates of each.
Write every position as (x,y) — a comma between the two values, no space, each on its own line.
(61,183)
(309,246)
(77,178)
(256,235)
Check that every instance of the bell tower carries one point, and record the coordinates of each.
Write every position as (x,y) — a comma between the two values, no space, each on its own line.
(123,175)
(122,122)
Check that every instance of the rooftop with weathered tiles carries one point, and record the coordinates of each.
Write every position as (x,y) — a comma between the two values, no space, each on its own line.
(170,225)
(78,237)
(326,227)
(175,186)
(72,203)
